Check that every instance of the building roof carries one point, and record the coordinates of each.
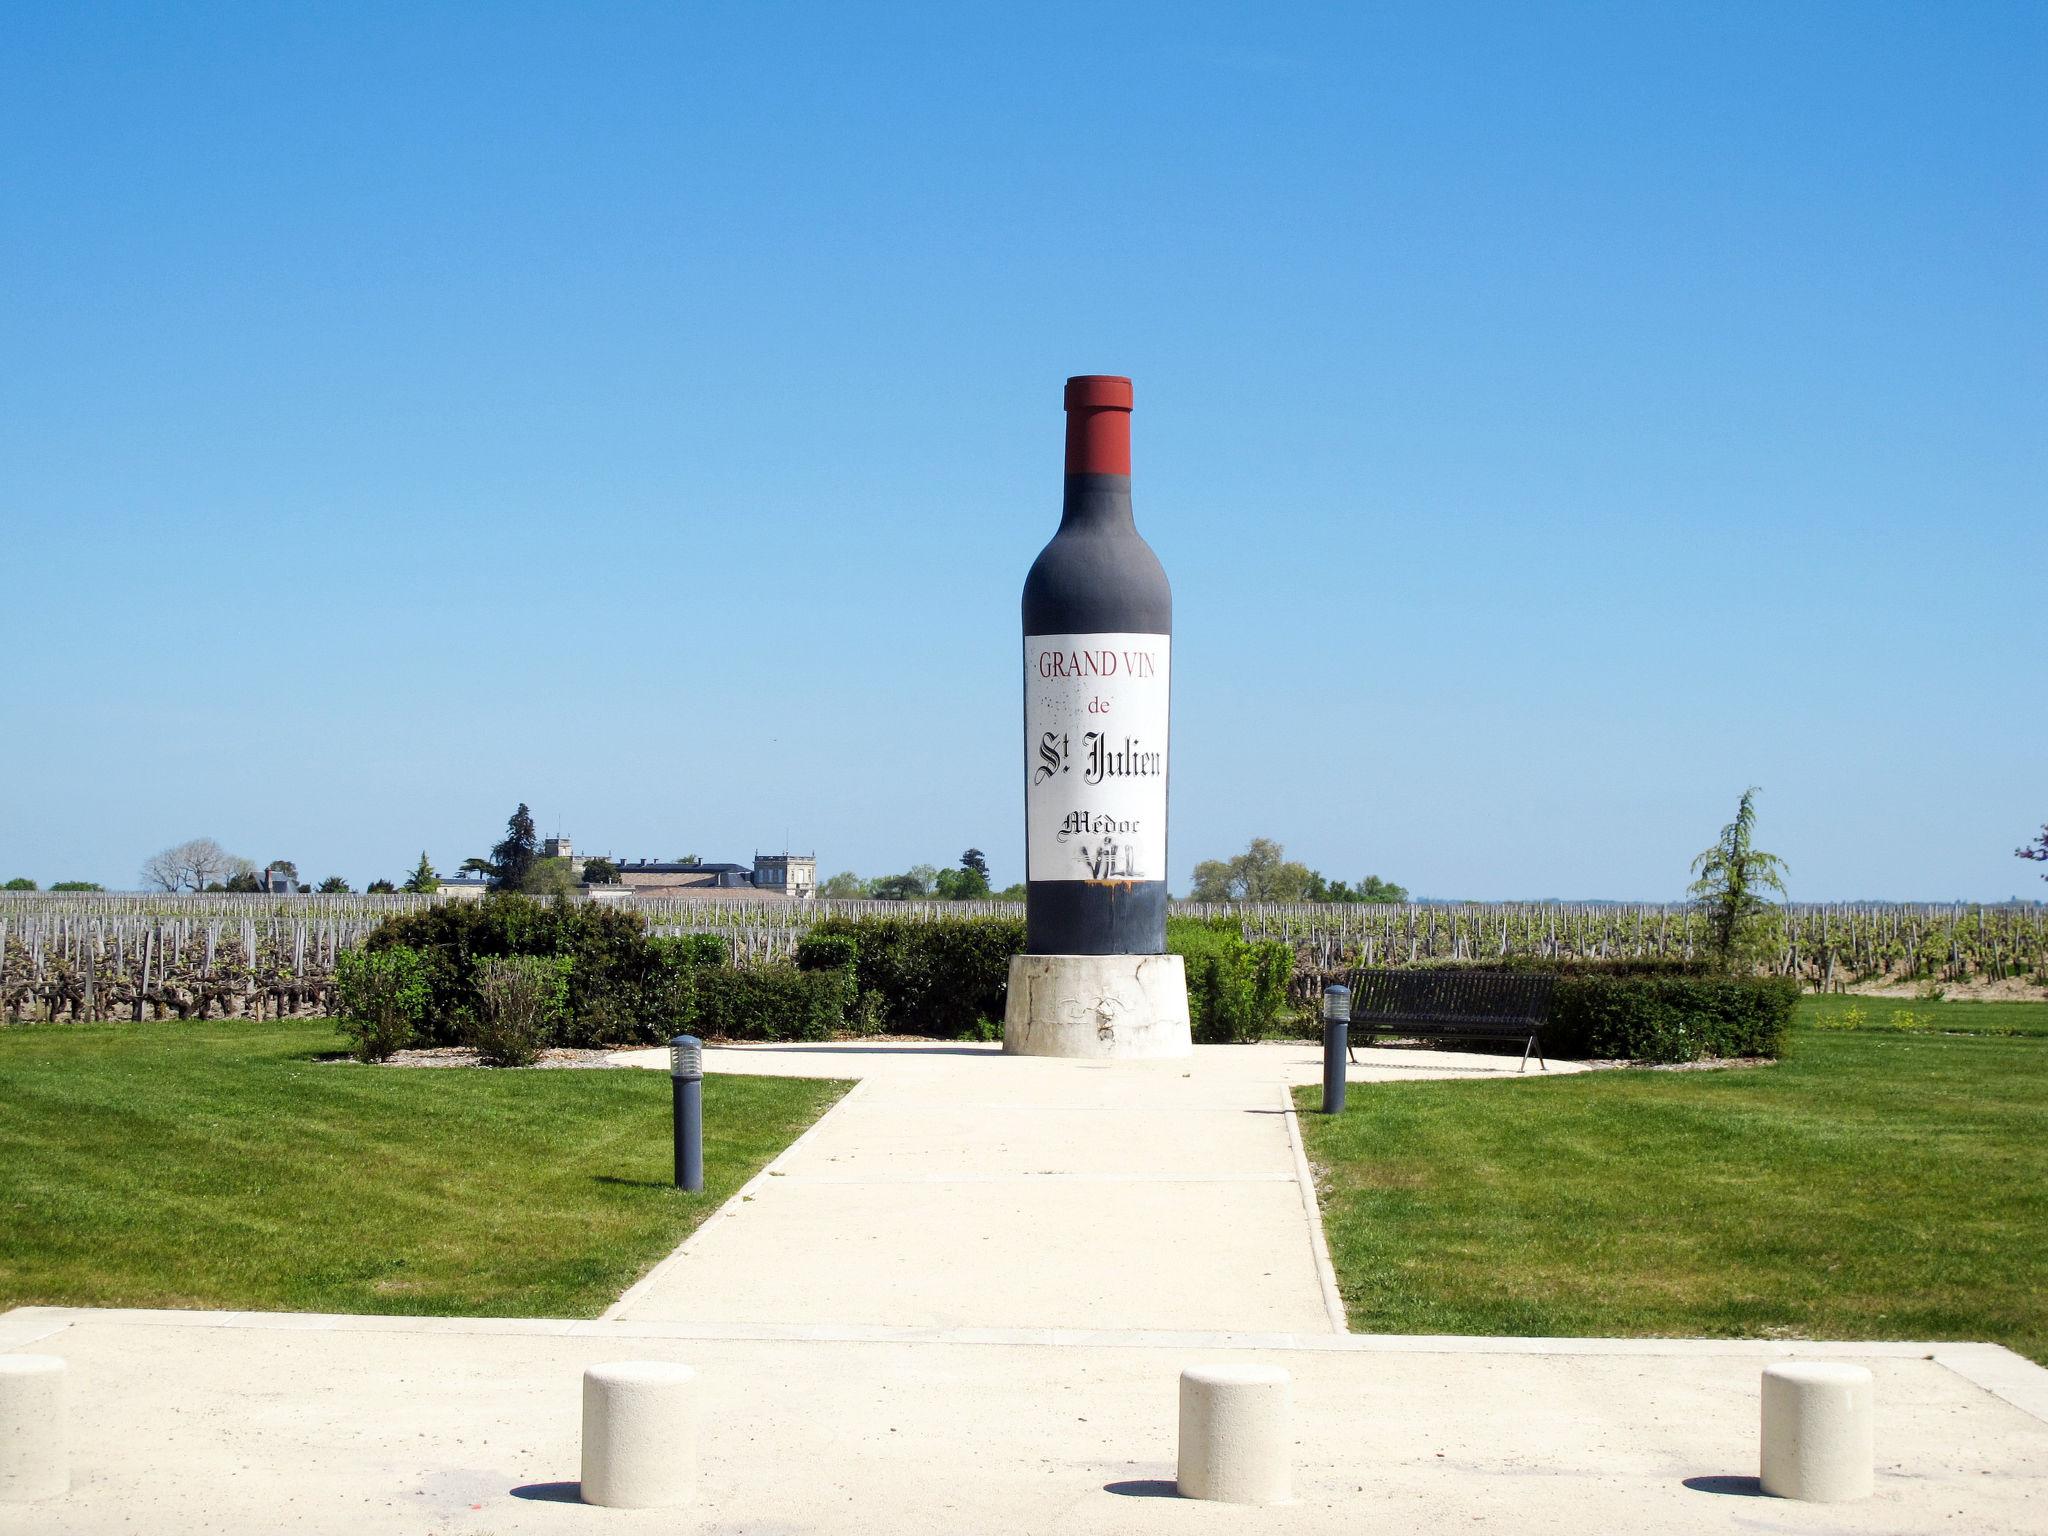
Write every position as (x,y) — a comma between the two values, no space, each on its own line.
(723,893)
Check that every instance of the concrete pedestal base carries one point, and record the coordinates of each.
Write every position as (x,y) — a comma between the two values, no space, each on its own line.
(639,1434)
(1107,1007)
(1236,1434)
(1816,1431)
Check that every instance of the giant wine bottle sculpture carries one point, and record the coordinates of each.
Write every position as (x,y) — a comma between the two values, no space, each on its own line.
(1098,635)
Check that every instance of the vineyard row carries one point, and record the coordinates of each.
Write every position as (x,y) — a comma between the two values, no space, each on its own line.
(135,957)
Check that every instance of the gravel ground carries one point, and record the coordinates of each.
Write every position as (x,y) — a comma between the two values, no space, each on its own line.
(1704,1064)
(462,1056)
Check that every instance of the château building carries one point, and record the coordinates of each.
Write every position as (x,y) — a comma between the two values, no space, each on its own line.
(793,876)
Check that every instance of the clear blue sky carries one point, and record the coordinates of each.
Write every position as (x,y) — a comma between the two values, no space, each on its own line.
(1553,419)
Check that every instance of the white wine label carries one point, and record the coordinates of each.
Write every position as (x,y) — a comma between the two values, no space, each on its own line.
(1095,756)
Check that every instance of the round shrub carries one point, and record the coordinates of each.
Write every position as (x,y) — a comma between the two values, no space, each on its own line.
(525,1002)
(382,997)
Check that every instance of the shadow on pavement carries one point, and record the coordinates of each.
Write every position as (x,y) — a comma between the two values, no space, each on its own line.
(848,1049)
(1144,1488)
(1741,1487)
(551,1493)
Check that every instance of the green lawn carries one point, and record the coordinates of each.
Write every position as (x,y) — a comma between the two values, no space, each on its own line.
(1878,1183)
(1894,1013)
(226,1165)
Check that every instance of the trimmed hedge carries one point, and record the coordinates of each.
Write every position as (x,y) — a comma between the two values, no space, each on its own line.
(827,952)
(950,977)
(613,976)
(691,949)
(947,977)
(767,1002)
(1648,1010)
(1646,965)
(623,986)
(1664,1018)
(1236,988)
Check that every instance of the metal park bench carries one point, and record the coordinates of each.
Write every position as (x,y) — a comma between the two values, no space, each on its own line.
(1453,1005)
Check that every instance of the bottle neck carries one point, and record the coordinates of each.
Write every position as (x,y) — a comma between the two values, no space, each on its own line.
(1098,495)
(1098,438)
(1097,503)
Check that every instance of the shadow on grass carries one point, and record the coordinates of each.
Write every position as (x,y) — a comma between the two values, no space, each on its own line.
(613,1179)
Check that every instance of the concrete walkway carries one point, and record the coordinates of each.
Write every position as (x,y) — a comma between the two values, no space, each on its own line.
(958,1187)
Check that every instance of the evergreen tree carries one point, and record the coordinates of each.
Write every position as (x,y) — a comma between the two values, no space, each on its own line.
(1733,876)
(967,883)
(423,881)
(514,856)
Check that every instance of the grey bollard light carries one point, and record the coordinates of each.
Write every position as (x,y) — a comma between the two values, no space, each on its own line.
(1236,1434)
(1336,1045)
(1816,1431)
(686,1080)
(35,1453)
(639,1434)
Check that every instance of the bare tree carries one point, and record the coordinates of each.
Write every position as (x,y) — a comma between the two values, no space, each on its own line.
(191,866)
(165,871)
(2037,849)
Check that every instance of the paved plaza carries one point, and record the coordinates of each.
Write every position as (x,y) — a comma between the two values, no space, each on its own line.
(960,1303)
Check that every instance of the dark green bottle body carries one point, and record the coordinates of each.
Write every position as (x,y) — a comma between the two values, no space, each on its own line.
(1098,628)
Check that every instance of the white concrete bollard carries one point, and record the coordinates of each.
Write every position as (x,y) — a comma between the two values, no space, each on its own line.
(639,1434)
(1236,1434)
(1816,1431)
(35,1460)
